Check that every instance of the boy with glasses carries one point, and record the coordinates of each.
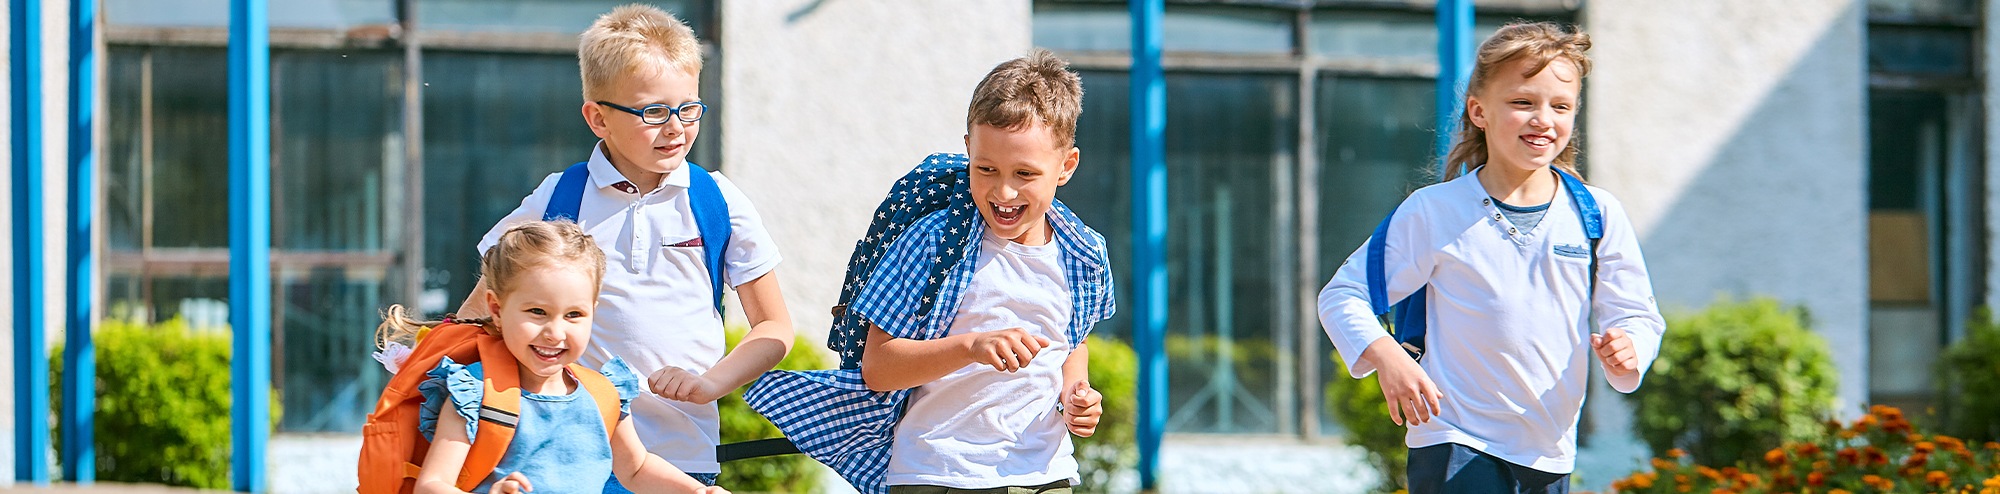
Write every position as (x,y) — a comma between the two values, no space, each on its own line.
(674,235)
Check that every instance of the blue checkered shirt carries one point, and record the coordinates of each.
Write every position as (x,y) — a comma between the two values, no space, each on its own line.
(832,415)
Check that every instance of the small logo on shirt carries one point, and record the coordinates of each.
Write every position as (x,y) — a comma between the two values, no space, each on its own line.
(694,242)
(1575,251)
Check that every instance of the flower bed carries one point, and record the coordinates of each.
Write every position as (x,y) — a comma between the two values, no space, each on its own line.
(1879,452)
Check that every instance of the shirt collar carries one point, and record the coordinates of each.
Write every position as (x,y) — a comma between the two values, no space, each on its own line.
(603,174)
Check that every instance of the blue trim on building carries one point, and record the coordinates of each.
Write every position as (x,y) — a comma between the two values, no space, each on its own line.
(1149,232)
(250,239)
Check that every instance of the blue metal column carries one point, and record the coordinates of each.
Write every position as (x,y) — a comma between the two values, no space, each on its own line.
(31,358)
(250,238)
(1149,232)
(1455,49)
(79,384)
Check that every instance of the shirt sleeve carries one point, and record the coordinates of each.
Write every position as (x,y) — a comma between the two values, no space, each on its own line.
(751,253)
(1624,294)
(1344,310)
(531,209)
(894,290)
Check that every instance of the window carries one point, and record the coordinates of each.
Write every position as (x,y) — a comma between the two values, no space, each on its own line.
(1291,131)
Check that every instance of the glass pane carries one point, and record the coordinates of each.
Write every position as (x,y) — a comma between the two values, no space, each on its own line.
(1389,36)
(339,120)
(1921,8)
(1929,51)
(307,14)
(481,158)
(1374,138)
(190,147)
(544,16)
(1100,27)
(1907,150)
(1226,135)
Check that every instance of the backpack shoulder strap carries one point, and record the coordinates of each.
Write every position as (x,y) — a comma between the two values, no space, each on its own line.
(499,409)
(1593,220)
(567,199)
(1378,282)
(603,392)
(711,217)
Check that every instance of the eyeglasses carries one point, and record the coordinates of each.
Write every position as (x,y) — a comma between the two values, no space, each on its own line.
(656,114)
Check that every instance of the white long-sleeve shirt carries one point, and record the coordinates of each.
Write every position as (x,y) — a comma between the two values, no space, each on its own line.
(1507,345)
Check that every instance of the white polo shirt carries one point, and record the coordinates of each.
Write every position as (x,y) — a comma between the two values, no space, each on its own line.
(1508,344)
(656,309)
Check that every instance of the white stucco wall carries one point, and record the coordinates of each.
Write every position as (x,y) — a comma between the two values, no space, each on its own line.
(1735,134)
(828,101)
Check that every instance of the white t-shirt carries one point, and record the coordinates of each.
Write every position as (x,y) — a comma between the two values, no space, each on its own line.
(656,308)
(1508,344)
(980,428)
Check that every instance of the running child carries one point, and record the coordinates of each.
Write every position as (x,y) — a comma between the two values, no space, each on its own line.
(1521,299)
(543,285)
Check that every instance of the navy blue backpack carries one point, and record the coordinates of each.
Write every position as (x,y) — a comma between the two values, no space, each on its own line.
(1408,321)
(937,183)
(711,214)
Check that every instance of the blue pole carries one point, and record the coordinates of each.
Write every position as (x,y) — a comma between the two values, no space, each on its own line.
(1455,47)
(31,359)
(1149,232)
(250,238)
(79,453)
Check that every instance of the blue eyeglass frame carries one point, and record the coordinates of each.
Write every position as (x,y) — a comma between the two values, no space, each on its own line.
(673,112)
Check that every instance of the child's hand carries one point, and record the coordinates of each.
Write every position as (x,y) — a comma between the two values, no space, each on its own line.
(1412,397)
(1614,349)
(678,384)
(1081,405)
(1007,350)
(515,483)
(711,490)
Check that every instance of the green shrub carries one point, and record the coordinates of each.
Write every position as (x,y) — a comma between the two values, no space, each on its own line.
(163,400)
(1360,408)
(1735,381)
(788,473)
(1969,372)
(1114,371)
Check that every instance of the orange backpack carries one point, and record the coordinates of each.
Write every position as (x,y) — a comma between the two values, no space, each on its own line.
(393,450)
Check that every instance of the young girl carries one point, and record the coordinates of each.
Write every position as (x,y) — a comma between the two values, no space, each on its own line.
(544,279)
(1514,314)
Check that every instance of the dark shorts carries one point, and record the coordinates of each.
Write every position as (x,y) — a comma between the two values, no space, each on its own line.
(612,486)
(1457,469)
(1057,487)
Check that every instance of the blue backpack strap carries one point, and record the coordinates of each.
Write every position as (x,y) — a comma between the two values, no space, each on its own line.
(711,217)
(1586,206)
(568,196)
(1408,323)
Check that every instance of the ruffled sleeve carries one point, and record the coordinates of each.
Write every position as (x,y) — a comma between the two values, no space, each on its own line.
(451,386)
(625,380)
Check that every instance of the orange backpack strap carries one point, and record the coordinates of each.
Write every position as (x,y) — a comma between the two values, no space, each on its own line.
(499,412)
(604,392)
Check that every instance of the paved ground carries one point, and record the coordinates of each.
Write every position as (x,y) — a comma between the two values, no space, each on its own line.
(102,488)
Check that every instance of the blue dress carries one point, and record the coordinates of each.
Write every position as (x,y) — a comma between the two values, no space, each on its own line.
(560,442)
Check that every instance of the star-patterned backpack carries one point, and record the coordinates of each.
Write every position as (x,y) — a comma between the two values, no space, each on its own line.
(938,183)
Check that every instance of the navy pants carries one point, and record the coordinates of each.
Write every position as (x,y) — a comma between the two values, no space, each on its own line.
(1456,469)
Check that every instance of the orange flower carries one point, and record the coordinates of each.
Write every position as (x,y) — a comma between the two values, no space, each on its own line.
(1816,478)
(1865,422)
(1676,453)
(1993,445)
(1822,465)
(1838,491)
(1775,456)
(1937,479)
(1659,464)
(1848,456)
(1873,456)
(1926,447)
(1708,472)
(1806,449)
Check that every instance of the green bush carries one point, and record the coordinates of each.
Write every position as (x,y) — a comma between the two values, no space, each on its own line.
(788,473)
(1969,372)
(1360,408)
(1114,371)
(1735,381)
(163,400)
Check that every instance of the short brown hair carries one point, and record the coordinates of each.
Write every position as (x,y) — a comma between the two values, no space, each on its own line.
(1038,86)
(632,38)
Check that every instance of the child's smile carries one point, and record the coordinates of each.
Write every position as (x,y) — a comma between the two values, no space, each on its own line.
(545,321)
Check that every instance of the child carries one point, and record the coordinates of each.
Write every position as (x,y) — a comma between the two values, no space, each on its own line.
(1493,406)
(985,319)
(544,285)
(989,407)
(644,203)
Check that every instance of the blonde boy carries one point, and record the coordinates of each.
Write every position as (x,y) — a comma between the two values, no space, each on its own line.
(641,95)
